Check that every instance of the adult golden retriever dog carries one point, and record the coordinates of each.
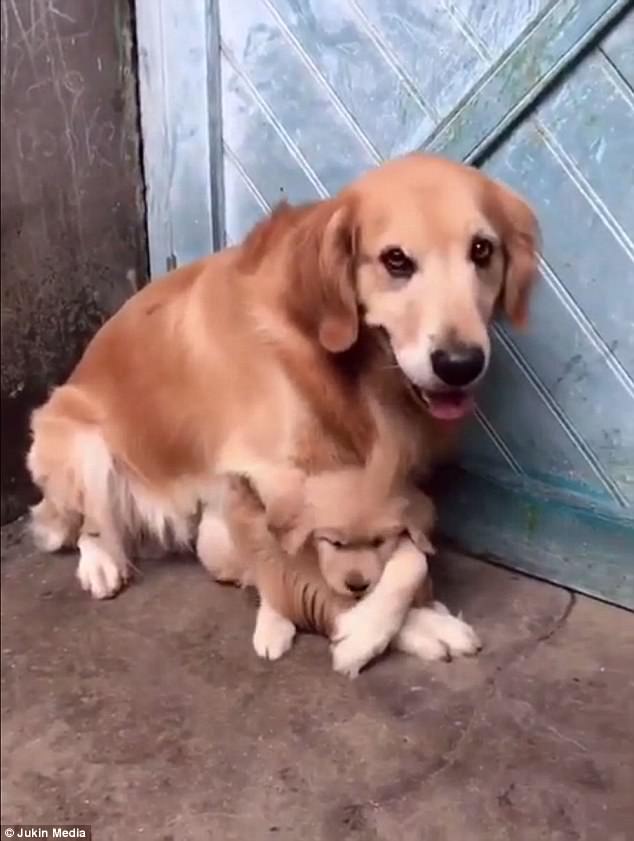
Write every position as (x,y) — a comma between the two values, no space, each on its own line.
(287,351)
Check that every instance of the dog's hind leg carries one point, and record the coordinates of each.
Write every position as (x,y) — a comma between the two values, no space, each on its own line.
(103,564)
(216,549)
(56,520)
(72,465)
(54,528)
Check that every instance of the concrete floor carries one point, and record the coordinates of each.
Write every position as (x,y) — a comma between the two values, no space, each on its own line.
(150,717)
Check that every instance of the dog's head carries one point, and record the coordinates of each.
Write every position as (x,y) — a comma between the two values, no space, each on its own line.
(424,249)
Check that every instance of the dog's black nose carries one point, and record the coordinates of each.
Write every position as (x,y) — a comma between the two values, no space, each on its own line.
(356,583)
(458,366)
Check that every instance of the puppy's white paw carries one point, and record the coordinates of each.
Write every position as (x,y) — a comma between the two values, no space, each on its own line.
(361,634)
(98,573)
(432,633)
(273,635)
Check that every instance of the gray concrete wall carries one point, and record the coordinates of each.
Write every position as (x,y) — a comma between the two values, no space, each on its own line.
(73,232)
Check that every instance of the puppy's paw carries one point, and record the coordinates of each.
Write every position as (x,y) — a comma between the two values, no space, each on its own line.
(98,573)
(361,634)
(432,633)
(273,635)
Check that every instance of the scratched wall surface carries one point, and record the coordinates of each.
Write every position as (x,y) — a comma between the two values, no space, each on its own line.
(538,92)
(73,242)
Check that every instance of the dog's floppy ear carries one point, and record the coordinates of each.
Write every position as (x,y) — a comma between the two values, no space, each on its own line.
(517,225)
(322,299)
(419,520)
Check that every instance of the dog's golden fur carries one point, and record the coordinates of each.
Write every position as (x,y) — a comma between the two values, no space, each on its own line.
(282,351)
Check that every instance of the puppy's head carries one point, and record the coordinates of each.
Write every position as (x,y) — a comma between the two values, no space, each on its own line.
(354,527)
(425,249)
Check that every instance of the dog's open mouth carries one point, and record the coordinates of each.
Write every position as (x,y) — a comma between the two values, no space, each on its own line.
(446,405)
(442,404)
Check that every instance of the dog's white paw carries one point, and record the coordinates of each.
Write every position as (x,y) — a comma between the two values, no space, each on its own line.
(98,573)
(361,634)
(273,635)
(432,633)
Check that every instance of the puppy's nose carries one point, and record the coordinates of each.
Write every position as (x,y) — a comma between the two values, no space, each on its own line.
(458,366)
(355,582)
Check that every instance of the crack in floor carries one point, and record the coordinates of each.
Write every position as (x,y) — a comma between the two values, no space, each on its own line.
(448,759)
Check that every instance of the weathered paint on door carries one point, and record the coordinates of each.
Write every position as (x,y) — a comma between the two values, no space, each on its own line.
(244,104)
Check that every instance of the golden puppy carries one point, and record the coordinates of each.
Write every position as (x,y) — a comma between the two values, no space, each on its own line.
(339,530)
(287,350)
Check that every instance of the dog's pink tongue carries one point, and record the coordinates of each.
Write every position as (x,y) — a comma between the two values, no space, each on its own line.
(450,407)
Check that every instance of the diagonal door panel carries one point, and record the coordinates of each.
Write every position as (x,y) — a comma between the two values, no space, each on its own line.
(589,124)
(497,25)
(323,143)
(533,427)
(618,48)
(248,129)
(370,86)
(581,249)
(512,84)
(428,44)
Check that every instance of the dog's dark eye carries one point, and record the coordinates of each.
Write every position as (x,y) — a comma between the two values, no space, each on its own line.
(398,263)
(481,251)
(378,542)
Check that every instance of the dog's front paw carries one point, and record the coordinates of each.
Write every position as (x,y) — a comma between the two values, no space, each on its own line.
(273,635)
(361,634)
(432,633)
(98,572)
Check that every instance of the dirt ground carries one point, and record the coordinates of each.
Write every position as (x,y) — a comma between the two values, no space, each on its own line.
(150,716)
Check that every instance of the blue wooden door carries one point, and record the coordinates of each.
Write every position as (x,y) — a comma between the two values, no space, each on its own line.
(247,103)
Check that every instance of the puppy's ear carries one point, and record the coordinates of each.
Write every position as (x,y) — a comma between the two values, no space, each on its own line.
(242,499)
(291,533)
(294,539)
(322,299)
(419,519)
(287,516)
(517,225)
